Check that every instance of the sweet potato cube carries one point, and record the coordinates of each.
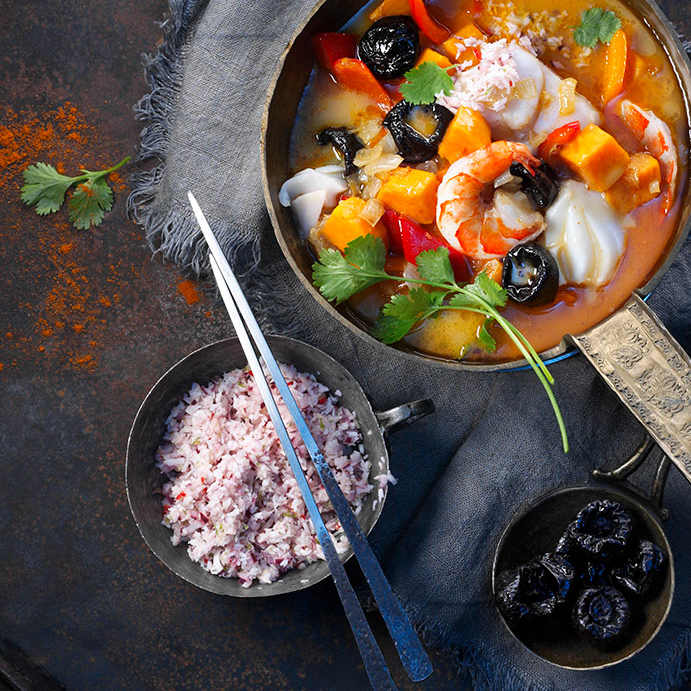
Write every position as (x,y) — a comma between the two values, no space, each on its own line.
(456,49)
(412,193)
(389,8)
(346,223)
(467,132)
(596,157)
(429,55)
(637,186)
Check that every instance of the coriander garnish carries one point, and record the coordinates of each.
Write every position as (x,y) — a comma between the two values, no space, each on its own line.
(340,276)
(596,25)
(424,83)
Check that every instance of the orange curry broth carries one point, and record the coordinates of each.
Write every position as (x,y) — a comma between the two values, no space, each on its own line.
(575,309)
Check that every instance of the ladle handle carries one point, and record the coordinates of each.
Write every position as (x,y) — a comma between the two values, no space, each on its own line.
(651,373)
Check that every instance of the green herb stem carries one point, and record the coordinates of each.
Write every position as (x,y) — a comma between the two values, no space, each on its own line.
(93,174)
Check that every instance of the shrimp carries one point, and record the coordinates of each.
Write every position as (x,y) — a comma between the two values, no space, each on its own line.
(656,137)
(485,228)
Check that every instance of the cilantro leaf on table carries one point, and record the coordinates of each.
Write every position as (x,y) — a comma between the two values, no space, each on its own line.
(45,189)
(424,83)
(89,202)
(596,25)
(434,266)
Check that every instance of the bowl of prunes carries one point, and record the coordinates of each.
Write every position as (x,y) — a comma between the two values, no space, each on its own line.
(584,578)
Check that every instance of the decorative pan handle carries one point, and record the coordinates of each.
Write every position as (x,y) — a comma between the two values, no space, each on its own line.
(636,355)
(404,415)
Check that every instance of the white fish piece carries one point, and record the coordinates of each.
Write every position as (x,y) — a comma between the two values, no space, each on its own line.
(307,209)
(584,234)
(327,178)
(519,113)
(530,120)
(549,118)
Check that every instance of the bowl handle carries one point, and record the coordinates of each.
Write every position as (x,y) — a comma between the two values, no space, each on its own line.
(403,415)
(651,373)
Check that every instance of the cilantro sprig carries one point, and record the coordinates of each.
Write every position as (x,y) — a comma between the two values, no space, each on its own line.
(340,276)
(45,189)
(596,25)
(424,83)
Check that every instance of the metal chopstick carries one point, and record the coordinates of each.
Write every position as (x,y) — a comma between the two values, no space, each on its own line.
(413,656)
(375,666)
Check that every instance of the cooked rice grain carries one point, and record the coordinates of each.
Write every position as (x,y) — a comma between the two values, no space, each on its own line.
(231,494)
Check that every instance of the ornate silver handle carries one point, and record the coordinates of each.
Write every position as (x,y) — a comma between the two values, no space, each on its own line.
(651,373)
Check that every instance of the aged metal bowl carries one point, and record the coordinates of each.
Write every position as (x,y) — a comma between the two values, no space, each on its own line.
(632,350)
(536,531)
(143,479)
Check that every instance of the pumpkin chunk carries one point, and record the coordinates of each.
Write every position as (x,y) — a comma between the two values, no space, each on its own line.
(639,184)
(467,132)
(456,49)
(390,8)
(429,55)
(346,223)
(412,193)
(596,157)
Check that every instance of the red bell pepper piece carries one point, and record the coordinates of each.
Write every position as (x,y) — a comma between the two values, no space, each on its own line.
(390,220)
(416,239)
(353,74)
(331,46)
(556,139)
(435,32)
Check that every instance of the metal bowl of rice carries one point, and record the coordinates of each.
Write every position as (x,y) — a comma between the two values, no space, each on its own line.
(219,511)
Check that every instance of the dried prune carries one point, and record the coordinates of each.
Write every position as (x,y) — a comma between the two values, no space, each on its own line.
(390,46)
(530,274)
(535,589)
(539,184)
(602,616)
(561,571)
(596,573)
(417,130)
(641,574)
(345,141)
(602,530)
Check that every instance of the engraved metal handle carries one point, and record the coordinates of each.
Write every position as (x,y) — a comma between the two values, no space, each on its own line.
(651,373)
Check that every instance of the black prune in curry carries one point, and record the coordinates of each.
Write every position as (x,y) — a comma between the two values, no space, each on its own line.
(417,130)
(540,184)
(390,46)
(530,274)
(345,141)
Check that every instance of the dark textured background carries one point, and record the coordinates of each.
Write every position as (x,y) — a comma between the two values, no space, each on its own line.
(83,604)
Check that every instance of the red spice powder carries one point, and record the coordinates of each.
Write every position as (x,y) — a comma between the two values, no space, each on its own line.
(69,314)
(188,291)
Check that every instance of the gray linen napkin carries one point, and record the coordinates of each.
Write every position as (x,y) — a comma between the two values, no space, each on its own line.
(491,448)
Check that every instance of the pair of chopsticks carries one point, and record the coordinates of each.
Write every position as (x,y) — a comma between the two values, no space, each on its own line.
(408,646)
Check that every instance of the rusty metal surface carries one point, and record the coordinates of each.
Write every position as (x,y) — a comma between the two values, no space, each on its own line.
(88,321)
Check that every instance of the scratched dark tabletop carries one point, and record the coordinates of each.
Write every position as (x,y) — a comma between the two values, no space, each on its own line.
(89,321)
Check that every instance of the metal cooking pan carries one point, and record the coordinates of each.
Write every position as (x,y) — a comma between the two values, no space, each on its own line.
(144,480)
(631,349)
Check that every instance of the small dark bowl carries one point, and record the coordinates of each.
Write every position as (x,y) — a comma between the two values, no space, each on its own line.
(143,479)
(536,531)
